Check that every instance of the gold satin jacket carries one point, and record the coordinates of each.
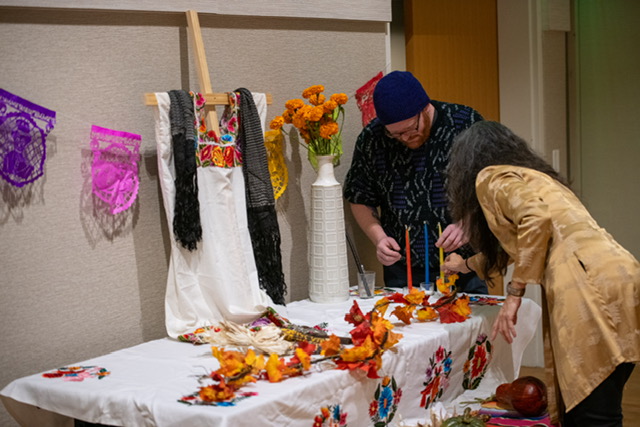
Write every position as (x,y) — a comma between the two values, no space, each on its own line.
(591,284)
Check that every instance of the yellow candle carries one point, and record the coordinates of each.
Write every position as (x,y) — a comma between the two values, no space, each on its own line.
(441,255)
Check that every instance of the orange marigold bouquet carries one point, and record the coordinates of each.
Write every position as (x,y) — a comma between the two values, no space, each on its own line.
(317,122)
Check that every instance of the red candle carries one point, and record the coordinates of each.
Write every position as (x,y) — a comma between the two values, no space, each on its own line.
(408,250)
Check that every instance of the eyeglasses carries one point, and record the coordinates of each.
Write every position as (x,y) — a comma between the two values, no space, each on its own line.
(400,135)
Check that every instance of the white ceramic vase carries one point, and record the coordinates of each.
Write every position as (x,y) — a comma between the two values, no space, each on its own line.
(328,266)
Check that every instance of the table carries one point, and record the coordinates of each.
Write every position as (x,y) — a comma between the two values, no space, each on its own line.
(147,380)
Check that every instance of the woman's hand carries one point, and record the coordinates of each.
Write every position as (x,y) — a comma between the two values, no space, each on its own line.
(452,237)
(454,263)
(388,251)
(505,324)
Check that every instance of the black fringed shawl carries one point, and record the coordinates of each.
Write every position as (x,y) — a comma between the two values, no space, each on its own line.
(261,212)
(186,215)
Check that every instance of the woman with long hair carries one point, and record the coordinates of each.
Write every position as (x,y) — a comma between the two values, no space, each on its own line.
(517,209)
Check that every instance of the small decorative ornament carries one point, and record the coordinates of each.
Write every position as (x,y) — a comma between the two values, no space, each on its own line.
(114,170)
(77,373)
(24,127)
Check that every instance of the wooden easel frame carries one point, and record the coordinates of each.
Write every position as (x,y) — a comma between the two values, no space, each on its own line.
(212,99)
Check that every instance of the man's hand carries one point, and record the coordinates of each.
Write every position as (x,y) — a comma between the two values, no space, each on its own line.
(452,238)
(388,251)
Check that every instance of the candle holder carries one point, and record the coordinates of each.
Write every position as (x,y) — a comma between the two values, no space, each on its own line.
(427,287)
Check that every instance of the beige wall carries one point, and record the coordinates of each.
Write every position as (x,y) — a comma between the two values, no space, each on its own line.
(605,129)
(75,284)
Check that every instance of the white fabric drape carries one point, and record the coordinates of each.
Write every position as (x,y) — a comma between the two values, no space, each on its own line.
(219,280)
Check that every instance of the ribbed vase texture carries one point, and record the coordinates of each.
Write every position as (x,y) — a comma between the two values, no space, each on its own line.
(328,267)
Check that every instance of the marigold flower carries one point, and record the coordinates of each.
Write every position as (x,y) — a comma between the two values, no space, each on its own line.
(294,104)
(312,90)
(317,99)
(329,106)
(339,98)
(329,129)
(305,135)
(315,114)
(276,123)
(287,116)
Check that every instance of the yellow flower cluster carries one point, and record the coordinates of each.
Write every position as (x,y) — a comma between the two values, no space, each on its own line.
(317,121)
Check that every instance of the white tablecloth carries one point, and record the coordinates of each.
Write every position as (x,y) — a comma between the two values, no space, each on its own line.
(146,381)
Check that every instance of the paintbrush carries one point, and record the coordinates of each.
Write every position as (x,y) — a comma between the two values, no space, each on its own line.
(359,265)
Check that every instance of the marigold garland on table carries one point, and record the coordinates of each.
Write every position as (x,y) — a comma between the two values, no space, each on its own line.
(317,123)
(371,336)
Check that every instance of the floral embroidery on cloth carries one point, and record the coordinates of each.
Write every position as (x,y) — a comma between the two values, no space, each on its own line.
(330,416)
(196,399)
(77,373)
(24,127)
(383,407)
(114,170)
(477,362)
(220,152)
(437,374)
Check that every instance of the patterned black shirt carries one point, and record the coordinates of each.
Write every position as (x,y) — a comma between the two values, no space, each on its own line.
(408,185)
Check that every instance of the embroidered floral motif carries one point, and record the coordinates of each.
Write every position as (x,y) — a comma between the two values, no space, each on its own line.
(196,399)
(330,416)
(386,398)
(477,362)
(437,377)
(221,152)
(77,373)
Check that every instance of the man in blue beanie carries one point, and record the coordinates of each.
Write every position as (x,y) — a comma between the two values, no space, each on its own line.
(396,179)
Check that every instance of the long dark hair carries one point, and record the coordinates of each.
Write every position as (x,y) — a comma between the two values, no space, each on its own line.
(485,144)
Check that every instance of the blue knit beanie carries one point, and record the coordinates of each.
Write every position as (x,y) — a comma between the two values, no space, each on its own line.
(399,96)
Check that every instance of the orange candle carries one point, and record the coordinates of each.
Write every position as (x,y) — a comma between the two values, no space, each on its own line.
(441,255)
(408,250)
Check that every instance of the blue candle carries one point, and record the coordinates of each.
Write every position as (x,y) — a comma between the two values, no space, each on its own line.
(426,255)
